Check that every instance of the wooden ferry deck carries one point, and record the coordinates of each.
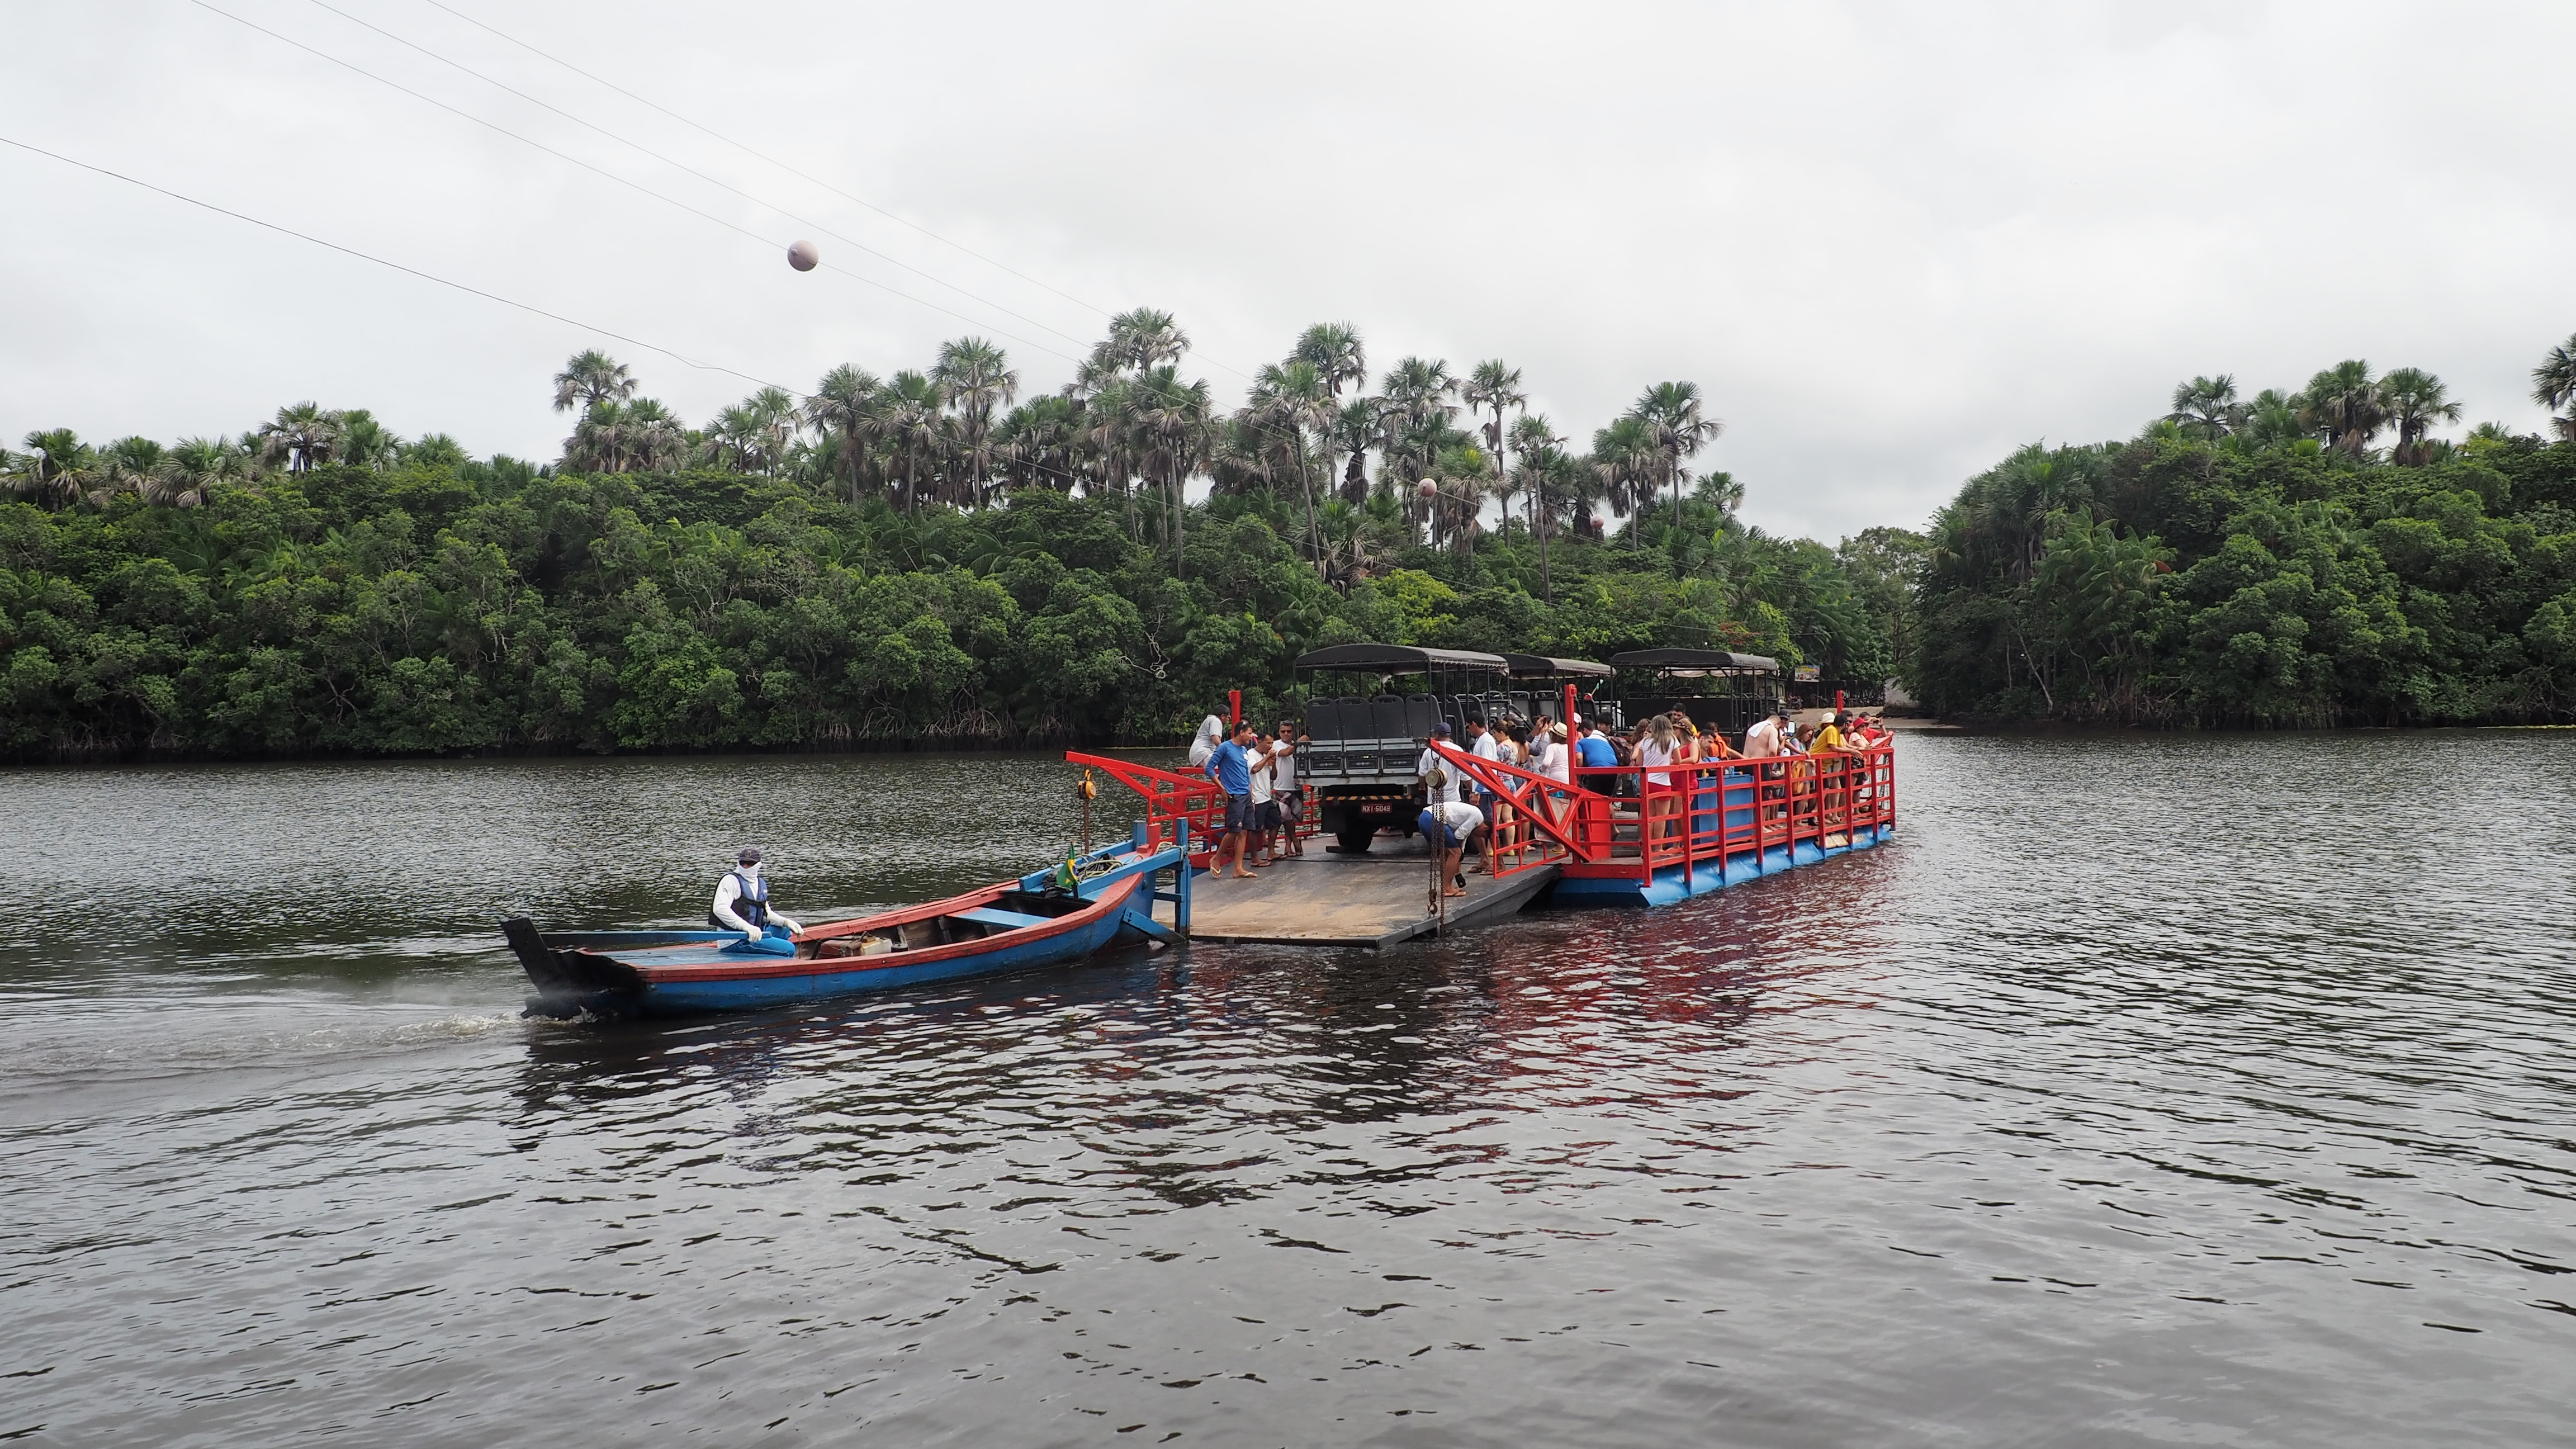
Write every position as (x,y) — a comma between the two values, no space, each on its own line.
(1325,899)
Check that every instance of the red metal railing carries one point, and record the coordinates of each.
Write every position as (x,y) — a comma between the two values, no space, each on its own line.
(1171,796)
(1615,822)
(1610,822)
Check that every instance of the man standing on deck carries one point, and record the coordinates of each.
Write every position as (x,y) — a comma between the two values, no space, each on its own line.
(1431,765)
(1230,765)
(1484,744)
(742,900)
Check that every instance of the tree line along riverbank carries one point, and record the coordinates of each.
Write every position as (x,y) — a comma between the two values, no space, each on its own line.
(2308,558)
(926,561)
(919,560)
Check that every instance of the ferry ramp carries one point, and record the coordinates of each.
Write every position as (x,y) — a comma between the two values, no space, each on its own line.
(1327,899)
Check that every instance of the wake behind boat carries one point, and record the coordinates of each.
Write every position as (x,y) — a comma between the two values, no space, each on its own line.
(1050,917)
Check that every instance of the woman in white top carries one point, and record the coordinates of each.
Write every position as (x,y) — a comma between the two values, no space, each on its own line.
(1662,746)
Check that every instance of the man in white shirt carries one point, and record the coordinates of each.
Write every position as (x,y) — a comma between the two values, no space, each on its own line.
(1284,788)
(742,900)
(1484,745)
(1445,792)
(1265,803)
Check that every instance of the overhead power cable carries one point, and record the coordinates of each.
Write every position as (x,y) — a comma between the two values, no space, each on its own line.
(350,251)
(613,176)
(899,220)
(678,165)
(432,277)
(801,175)
(1259,429)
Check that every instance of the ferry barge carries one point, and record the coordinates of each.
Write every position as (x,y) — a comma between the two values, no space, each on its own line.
(1605,837)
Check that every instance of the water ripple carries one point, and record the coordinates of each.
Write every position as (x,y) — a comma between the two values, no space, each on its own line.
(2145,1091)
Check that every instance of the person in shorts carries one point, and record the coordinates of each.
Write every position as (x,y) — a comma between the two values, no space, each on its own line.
(1265,801)
(1287,785)
(1230,766)
(1447,827)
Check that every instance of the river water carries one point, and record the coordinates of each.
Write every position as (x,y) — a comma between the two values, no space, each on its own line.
(2143,1091)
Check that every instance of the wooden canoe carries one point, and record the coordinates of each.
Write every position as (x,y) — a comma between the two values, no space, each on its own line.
(1017,925)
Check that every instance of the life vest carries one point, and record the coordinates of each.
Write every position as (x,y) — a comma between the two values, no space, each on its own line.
(753,904)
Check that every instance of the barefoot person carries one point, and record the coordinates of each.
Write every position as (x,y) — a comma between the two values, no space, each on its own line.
(1446,828)
(1230,765)
(1265,801)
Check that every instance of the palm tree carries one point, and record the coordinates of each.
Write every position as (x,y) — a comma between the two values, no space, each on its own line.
(302,436)
(1535,450)
(57,469)
(195,466)
(128,465)
(1039,443)
(590,378)
(914,411)
(2206,407)
(735,441)
(1673,416)
(1172,423)
(1287,401)
(1355,429)
(366,443)
(1493,384)
(977,379)
(1140,341)
(1414,412)
(2415,400)
(1625,460)
(2553,386)
(2272,419)
(776,415)
(1335,351)
(2344,407)
(844,406)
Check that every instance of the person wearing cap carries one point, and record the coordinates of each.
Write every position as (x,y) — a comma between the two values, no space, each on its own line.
(742,900)
(1439,779)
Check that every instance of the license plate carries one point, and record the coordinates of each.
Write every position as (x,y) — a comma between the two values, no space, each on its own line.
(1377,810)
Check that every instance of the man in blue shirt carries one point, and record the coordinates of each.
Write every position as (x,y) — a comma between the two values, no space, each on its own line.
(1231,766)
(1596,752)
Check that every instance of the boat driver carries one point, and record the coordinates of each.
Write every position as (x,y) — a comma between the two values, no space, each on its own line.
(742,900)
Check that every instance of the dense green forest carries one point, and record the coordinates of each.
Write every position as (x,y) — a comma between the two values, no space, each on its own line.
(2266,562)
(919,560)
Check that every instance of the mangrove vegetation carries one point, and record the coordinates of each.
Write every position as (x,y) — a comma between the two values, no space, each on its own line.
(926,559)
(2302,558)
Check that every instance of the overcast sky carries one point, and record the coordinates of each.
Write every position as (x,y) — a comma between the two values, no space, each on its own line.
(1891,243)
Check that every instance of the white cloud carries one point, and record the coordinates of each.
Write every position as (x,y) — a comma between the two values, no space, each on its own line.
(1890,242)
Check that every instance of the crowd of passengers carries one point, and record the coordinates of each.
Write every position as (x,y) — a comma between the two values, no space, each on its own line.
(1265,803)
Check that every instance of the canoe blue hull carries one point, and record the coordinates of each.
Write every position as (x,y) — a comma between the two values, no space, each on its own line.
(750,993)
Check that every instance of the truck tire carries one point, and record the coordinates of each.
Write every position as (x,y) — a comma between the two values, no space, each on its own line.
(1354,837)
